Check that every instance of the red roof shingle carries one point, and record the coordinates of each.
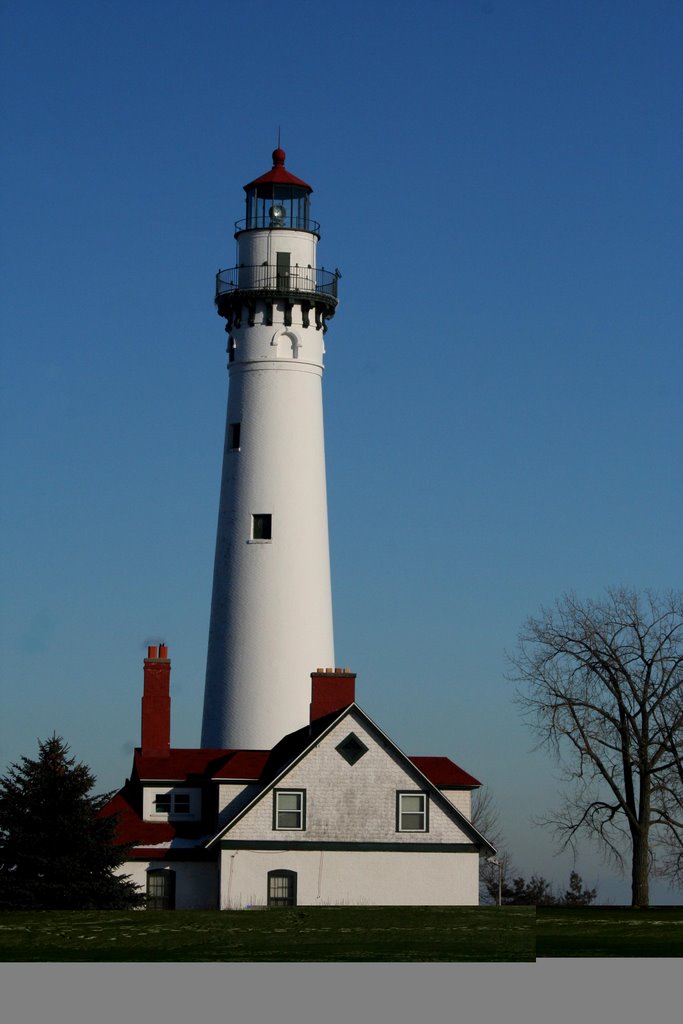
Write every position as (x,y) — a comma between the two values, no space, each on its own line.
(441,771)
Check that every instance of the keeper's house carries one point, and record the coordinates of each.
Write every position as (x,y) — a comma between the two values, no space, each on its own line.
(334,813)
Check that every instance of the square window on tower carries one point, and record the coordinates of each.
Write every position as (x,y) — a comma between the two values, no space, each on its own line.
(262,526)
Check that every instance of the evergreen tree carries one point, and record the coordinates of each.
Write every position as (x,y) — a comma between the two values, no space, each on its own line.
(576,895)
(538,892)
(56,851)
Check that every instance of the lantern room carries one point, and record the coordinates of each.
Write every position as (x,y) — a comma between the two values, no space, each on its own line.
(278,199)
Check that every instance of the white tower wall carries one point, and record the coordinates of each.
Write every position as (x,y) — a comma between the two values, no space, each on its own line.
(258,246)
(271,615)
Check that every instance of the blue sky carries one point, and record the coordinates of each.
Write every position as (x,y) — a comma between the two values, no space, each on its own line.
(500,186)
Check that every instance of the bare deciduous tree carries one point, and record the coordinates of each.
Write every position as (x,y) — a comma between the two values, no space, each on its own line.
(602,686)
(486,819)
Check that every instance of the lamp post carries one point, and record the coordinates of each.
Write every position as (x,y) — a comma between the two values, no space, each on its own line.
(499,865)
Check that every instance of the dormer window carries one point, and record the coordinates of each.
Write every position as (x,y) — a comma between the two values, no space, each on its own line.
(162,803)
(181,803)
(172,804)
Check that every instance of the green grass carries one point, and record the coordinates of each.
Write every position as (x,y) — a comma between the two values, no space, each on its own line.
(609,931)
(338,934)
(318,934)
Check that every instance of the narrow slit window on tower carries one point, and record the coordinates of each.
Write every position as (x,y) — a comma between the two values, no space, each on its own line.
(234,436)
(262,526)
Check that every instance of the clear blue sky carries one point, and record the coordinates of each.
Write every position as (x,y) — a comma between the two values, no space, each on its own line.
(500,186)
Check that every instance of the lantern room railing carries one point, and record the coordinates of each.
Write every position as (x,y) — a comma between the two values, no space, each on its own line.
(267,277)
(286,220)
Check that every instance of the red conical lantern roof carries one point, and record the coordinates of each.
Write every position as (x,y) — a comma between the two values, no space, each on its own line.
(278,174)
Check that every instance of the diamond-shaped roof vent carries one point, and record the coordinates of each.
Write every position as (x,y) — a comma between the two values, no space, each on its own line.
(351,748)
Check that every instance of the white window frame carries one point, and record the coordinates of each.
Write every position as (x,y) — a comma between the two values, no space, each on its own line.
(158,812)
(193,813)
(400,811)
(300,810)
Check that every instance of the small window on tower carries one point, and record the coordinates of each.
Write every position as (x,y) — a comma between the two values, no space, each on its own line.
(234,436)
(262,526)
(231,350)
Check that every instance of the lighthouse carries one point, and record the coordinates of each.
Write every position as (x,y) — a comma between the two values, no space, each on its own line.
(271,609)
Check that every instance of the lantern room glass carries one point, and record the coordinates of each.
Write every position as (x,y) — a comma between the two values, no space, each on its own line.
(278,206)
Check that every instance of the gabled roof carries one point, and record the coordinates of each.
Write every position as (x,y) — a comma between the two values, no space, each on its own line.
(295,746)
(199,767)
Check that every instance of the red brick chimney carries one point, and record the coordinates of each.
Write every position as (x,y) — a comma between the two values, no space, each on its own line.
(331,690)
(156,703)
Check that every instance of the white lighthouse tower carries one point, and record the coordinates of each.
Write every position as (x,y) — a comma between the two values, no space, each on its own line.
(271,611)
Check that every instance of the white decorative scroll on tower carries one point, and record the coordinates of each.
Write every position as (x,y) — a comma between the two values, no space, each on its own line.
(271,610)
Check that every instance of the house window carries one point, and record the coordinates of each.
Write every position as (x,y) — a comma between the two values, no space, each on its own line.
(171,804)
(411,812)
(234,436)
(262,526)
(161,889)
(181,803)
(282,888)
(162,803)
(289,809)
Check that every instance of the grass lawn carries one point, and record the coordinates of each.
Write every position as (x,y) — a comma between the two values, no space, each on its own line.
(318,934)
(609,931)
(338,934)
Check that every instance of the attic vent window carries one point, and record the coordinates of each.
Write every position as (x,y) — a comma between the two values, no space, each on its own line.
(351,748)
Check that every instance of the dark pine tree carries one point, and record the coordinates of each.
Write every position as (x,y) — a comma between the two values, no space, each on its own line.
(576,895)
(56,851)
(538,892)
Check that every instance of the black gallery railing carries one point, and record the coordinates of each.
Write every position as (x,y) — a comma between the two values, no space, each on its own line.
(269,278)
(279,220)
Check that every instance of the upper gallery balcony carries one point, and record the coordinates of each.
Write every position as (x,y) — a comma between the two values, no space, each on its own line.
(312,288)
(275,280)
